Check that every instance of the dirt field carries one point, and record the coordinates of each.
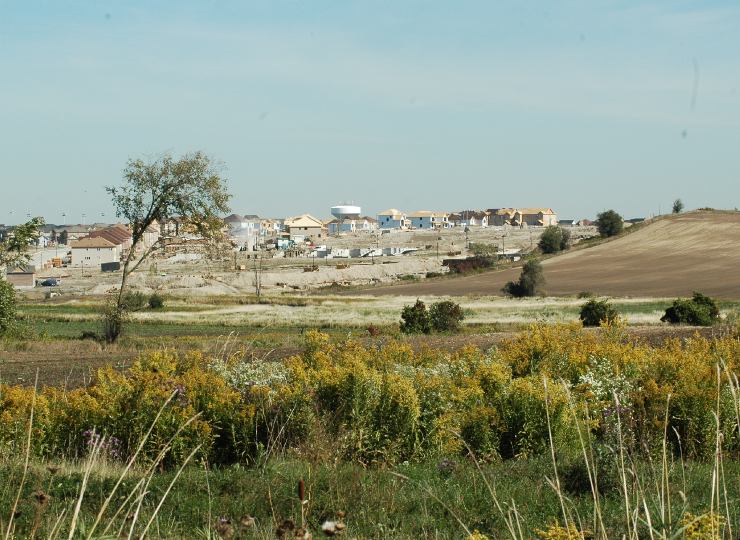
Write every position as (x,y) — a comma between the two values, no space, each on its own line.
(667,258)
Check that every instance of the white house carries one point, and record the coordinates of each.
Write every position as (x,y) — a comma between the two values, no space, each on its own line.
(392,219)
(428,220)
(94,252)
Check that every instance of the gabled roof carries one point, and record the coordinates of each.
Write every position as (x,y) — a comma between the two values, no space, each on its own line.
(529,211)
(92,243)
(392,212)
(369,219)
(306,220)
(234,218)
(504,211)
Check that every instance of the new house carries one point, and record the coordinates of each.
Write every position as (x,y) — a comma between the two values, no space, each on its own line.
(392,219)
(425,219)
(94,252)
(303,227)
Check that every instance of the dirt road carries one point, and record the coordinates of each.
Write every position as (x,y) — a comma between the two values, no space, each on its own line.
(668,258)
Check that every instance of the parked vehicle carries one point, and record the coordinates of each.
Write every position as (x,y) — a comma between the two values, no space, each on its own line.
(51,282)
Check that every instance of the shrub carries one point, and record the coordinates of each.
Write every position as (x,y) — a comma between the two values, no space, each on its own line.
(373,331)
(677,206)
(482,250)
(551,239)
(699,311)
(610,223)
(469,264)
(156,301)
(134,301)
(8,308)
(415,319)
(434,274)
(593,312)
(112,321)
(585,294)
(445,316)
(565,240)
(530,280)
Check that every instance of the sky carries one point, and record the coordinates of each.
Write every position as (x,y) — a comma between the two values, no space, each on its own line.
(580,106)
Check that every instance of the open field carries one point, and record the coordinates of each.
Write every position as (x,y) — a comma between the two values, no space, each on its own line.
(669,257)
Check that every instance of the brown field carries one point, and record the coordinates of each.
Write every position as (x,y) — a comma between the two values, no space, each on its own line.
(667,258)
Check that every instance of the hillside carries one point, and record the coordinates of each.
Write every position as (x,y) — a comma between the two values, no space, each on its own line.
(667,258)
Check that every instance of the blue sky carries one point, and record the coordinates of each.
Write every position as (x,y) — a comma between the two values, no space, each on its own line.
(580,106)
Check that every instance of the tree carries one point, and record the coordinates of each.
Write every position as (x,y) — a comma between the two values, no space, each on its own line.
(159,188)
(593,312)
(530,280)
(551,239)
(14,250)
(677,206)
(7,307)
(565,241)
(699,311)
(445,316)
(415,319)
(610,223)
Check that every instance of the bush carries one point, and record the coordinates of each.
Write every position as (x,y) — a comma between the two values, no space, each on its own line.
(8,308)
(610,223)
(677,206)
(699,311)
(530,280)
(565,240)
(156,301)
(593,312)
(585,294)
(469,264)
(445,316)
(415,319)
(112,320)
(134,301)
(483,250)
(551,239)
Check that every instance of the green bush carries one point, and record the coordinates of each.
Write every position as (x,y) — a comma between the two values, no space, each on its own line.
(565,239)
(445,316)
(610,223)
(156,301)
(134,301)
(8,309)
(593,312)
(415,319)
(677,206)
(551,239)
(530,281)
(585,294)
(699,311)
(483,250)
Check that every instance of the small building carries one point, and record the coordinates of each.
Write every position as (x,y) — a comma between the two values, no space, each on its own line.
(425,219)
(22,277)
(392,219)
(94,252)
(305,226)
(567,222)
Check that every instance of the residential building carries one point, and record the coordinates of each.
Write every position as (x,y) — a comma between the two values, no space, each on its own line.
(352,224)
(303,227)
(118,235)
(469,218)
(392,219)
(535,217)
(428,220)
(498,217)
(22,276)
(94,251)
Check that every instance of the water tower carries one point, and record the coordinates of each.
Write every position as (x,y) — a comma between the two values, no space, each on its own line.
(342,212)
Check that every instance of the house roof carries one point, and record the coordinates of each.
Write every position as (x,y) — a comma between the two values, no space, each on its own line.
(392,212)
(90,242)
(306,220)
(505,211)
(369,219)
(422,213)
(543,210)
(234,218)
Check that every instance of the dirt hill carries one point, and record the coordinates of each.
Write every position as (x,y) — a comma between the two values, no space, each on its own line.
(669,257)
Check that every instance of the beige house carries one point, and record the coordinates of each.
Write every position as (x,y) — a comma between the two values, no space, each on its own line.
(304,227)
(498,217)
(94,252)
(535,217)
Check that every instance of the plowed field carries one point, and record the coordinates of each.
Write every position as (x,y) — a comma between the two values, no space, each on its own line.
(670,257)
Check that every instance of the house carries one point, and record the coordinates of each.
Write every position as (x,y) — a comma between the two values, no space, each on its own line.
(271,227)
(22,277)
(498,217)
(94,251)
(118,235)
(352,224)
(472,218)
(303,227)
(428,220)
(567,222)
(174,226)
(535,217)
(392,219)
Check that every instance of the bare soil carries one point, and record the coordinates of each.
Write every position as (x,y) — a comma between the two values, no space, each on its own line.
(667,258)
